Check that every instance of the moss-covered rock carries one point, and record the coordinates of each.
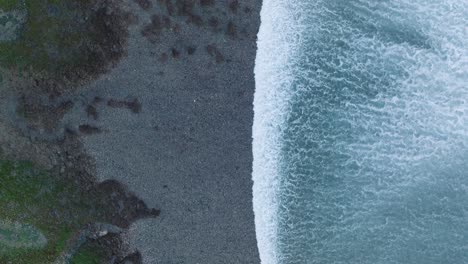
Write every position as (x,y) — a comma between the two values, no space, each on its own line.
(59,39)
(8,5)
(15,235)
(43,217)
(87,255)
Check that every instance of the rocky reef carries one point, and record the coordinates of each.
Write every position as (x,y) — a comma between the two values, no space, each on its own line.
(58,44)
(52,207)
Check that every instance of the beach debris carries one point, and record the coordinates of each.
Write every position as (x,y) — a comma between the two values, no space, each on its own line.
(134,105)
(89,129)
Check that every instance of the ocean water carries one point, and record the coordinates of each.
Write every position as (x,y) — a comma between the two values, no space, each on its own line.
(361,132)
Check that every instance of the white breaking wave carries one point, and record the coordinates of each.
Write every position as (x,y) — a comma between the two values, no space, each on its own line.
(278,39)
(402,147)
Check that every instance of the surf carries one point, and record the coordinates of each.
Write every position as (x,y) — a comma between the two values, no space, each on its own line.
(361,132)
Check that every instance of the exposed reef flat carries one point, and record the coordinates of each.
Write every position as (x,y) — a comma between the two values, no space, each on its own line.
(51,205)
(46,218)
(59,44)
(169,117)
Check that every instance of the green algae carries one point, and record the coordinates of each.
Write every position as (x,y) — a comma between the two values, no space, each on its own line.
(45,216)
(88,254)
(8,5)
(45,43)
(54,207)
(61,37)
(16,235)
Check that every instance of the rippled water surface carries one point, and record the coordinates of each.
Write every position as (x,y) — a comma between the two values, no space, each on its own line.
(361,132)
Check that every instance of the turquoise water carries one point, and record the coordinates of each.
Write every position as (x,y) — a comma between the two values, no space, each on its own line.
(361,132)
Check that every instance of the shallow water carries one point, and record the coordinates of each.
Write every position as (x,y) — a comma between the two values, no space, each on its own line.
(361,132)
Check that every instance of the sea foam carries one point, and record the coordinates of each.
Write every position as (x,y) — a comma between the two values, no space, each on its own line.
(277,42)
(361,132)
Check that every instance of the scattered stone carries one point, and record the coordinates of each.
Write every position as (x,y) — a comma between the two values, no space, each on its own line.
(214,52)
(97,100)
(134,258)
(175,53)
(213,22)
(154,28)
(89,130)
(191,50)
(234,6)
(92,112)
(144,4)
(207,2)
(231,29)
(134,106)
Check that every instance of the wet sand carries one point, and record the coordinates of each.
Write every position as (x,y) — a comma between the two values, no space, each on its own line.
(165,111)
(173,122)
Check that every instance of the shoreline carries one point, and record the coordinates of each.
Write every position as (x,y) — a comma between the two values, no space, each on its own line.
(167,119)
(188,151)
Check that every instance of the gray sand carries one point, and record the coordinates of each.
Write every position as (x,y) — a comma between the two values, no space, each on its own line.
(188,151)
